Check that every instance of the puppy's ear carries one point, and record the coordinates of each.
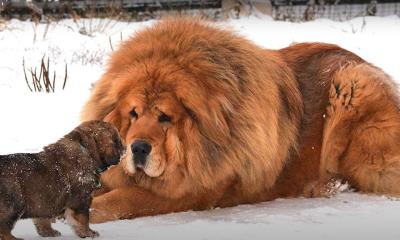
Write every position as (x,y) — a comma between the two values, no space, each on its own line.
(85,137)
(118,143)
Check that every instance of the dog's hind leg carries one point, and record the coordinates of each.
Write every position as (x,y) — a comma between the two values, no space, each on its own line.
(10,212)
(362,131)
(7,236)
(44,229)
(7,222)
(340,117)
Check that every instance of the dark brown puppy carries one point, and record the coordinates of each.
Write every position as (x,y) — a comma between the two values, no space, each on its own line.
(58,180)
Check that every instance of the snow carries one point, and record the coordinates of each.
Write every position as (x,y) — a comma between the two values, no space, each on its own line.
(32,120)
(346,216)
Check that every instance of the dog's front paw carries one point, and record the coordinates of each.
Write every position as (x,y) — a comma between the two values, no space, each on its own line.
(44,228)
(97,216)
(88,234)
(100,212)
(100,216)
(49,233)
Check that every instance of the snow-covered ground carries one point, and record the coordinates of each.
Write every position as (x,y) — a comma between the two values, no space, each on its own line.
(31,120)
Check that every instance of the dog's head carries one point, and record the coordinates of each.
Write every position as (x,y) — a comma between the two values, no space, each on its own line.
(172,102)
(170,120)
(155,129)
(100,140)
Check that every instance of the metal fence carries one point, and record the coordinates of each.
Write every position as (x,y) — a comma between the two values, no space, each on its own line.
(302,10)
(39,7)
(287,10)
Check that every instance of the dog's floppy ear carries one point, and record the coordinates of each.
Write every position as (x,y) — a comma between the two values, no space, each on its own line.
(210,120)
(117,120)
(85,137)
(102,100)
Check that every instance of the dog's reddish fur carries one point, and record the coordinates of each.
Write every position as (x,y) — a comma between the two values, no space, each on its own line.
(248,124)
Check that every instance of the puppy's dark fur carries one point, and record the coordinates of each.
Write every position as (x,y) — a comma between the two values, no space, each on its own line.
(59,180)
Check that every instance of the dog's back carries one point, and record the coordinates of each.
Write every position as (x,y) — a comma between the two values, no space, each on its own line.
(14,164)
(12,170)
(28,185)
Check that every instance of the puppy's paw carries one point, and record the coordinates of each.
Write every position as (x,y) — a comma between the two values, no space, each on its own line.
(87,234)
(44,228)
(49,233)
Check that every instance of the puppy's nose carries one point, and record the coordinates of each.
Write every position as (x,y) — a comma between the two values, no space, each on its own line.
(140,150)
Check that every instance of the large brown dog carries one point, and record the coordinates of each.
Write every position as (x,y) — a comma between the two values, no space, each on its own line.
(213,120)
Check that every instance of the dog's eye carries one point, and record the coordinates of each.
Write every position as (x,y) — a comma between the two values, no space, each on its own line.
(133,113)
(164,118)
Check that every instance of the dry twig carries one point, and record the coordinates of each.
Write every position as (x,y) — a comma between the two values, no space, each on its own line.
(43,81)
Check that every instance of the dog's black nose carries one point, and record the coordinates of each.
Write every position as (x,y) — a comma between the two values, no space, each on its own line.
(140,151)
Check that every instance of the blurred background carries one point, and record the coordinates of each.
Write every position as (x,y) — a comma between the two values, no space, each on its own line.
(288,10)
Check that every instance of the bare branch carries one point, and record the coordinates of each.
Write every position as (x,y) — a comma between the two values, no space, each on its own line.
(26,78)
(66,76)
(43,81)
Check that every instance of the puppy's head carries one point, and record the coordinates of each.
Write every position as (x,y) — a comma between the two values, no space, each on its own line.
(101,140)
